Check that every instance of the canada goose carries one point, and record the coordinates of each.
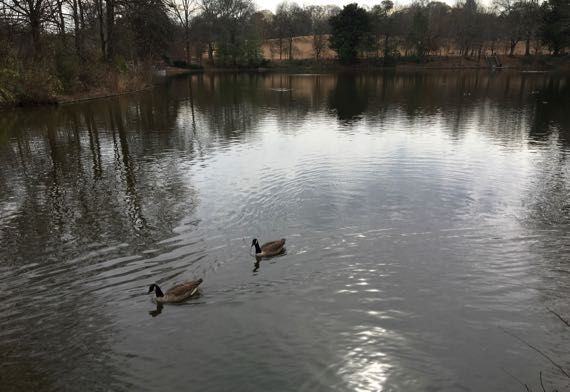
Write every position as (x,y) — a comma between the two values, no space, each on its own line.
(178,293)
(268,249)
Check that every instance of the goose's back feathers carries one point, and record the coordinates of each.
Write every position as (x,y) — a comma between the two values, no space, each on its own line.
(273,245)
(273,248)
(180,292)
(183,288)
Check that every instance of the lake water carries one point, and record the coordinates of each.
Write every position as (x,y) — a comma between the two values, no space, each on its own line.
(427,218)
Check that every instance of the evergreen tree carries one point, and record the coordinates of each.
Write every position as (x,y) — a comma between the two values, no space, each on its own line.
(350,29)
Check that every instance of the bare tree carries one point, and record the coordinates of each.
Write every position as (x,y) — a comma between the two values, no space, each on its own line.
(280,22)
(383,24)
(292,21)
(418,28)
(202,33)
(106,21)
(149,25)
(531,18)
(511,15)
(319,17)
(466,18)
(183,11)
(33,14)
(110,25)
(228,24)
(77,7)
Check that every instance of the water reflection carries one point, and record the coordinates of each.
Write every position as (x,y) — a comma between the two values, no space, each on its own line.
(356,89)
(440,210)
(256,264)
(267,260)
(72,180)
(157,311)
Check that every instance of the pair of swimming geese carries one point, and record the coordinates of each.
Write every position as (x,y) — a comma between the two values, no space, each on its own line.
(183,291)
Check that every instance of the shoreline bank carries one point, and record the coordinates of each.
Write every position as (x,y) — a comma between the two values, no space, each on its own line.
(539,63)
(520,64)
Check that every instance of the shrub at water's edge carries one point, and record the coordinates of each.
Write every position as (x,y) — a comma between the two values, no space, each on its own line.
(51,84)
(28,86)
(108,79)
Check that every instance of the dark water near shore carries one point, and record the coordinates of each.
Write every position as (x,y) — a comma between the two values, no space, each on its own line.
(427,217)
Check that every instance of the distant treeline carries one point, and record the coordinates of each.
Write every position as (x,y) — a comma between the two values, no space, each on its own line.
(423,28)
(63,46)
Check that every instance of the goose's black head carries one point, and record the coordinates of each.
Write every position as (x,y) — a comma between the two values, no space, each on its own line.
(256,244)
(155,287)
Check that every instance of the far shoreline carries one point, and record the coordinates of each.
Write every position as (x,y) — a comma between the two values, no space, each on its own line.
(535,64)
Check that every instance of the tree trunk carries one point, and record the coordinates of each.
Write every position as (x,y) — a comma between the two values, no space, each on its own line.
(77,29)
(466,51)
(280,49)
(61,20)
(35,26)
(527,46)
(199,51)
(290,48)
(317,46)
(386,37)
(188,55)
(110,27)
(210,53)
(537,49)
(377,46)
(102,28)
(187,32)
(512,50)
(233,48)
(81,14)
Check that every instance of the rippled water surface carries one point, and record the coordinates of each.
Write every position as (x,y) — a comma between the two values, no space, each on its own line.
(427,218)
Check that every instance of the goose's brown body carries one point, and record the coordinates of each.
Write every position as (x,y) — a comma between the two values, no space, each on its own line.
(272,248)
(178,293)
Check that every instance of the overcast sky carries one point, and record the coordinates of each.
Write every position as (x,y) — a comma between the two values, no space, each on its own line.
(272,4)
